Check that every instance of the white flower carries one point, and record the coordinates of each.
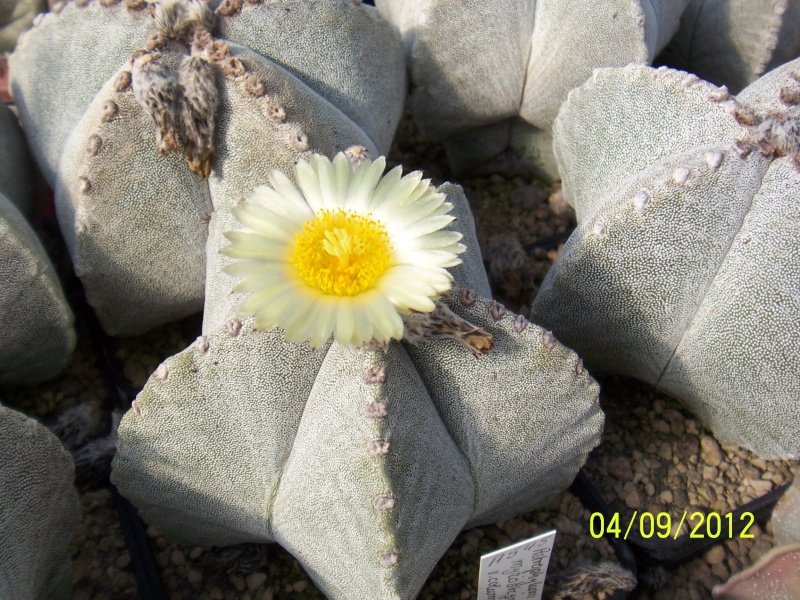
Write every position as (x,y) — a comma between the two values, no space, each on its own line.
(347,254)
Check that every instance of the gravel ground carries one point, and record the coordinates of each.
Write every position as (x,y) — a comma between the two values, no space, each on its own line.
(654,456)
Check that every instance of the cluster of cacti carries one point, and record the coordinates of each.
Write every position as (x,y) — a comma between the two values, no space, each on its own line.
(238,90)
(365,464)
(39,511)
(489,78)
(684,269)
(37,336)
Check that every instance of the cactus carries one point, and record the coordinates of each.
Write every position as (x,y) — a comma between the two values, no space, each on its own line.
(37,337)
(786,516)
(683,270)
(363,463)
(776,576)
(39,510)
(15,17)
(489,77)
(734,42)
(236,88)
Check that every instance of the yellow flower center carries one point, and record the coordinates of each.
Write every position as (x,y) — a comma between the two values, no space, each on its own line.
(341,253)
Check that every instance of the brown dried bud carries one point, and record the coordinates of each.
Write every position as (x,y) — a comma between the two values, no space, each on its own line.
(198,108)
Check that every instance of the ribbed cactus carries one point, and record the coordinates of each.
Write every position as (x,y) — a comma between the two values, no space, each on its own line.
(684,270)
(39,511)
(734,42)
(365,464)
(37,336)
(489,77)
(136,110)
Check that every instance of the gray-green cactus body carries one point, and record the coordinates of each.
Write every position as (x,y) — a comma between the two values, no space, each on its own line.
(39,510)
(175,78)
(489,77)
(37,337)
(365,464)
(734,42)
(683,269)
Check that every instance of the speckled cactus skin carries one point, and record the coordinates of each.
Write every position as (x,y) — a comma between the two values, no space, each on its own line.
(37,336)
(364,464)
(15,17)
(489,77)
(270,84)
(683,271)
(39,511)
(734,42)
(786,516)
(776,576)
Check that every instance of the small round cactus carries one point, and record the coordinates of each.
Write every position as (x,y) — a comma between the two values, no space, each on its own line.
(39,511)
(37,337)
(139,137)
(683,271)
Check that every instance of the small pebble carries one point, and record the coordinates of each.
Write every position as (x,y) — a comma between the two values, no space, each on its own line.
(255,580)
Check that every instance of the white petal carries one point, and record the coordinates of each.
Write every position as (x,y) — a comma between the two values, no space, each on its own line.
(243,267)
(327,181)
(273,312)
(425,226)
(266,280)
(264,221)
(281,183)
(385,319)
(298,212)
(364,327)
(343,169)
(324,321)
(301,320)
(363,184)
(437,239)
(400,200)
(427,257)
(256,302)
(384,187)
(412,213)
(257,247)
(344,328)
(308,180)
(398,195)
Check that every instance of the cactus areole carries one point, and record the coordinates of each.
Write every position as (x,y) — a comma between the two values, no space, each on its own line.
(364,463)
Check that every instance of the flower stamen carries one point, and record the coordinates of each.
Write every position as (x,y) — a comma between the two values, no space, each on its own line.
(341,253)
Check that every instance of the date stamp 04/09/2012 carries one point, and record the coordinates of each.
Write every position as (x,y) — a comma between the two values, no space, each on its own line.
(661,525)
